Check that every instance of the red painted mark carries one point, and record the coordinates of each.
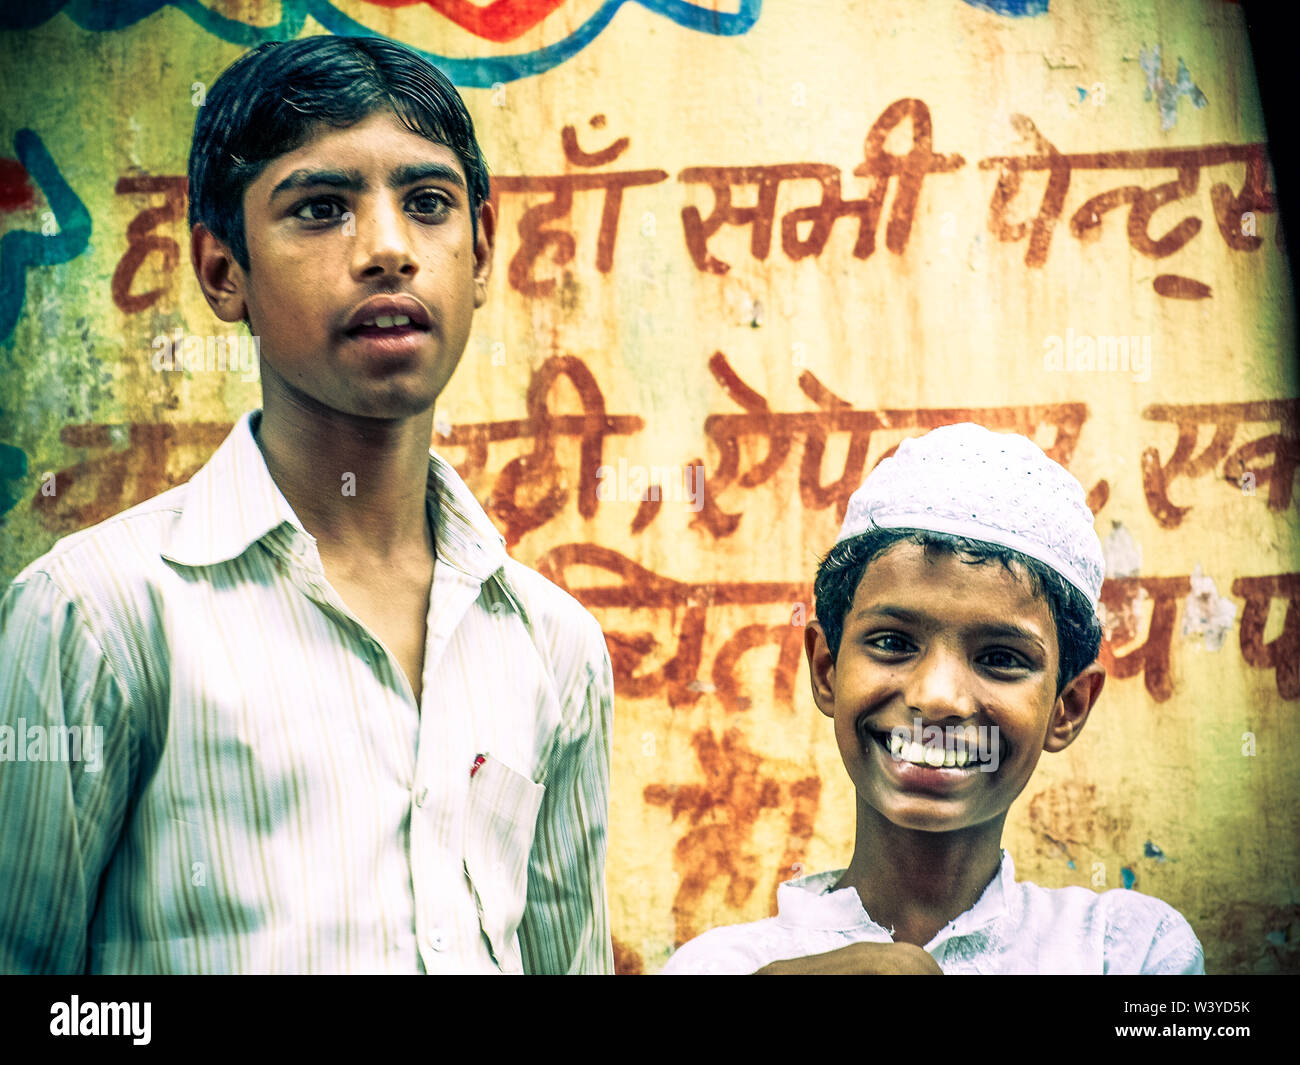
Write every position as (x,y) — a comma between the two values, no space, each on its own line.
(1181,288)
(16,192)
(627,962)
(478,761)
(503,20)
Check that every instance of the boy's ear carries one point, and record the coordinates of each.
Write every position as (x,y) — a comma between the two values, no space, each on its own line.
(484,241)
(220,277)
(1073,706)
(821,667)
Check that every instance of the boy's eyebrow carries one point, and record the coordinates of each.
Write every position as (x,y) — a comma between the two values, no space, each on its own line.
(352,181)
(1000,628)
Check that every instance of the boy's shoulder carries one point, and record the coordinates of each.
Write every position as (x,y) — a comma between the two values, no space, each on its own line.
(812,918)
(549,606)
(729,950)
(566,635)
(115,551)
(1133,933)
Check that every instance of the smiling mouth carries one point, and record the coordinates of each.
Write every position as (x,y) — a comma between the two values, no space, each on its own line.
(959,757)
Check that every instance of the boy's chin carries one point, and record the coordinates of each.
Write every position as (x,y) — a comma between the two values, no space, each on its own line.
(932,815)
(394,401)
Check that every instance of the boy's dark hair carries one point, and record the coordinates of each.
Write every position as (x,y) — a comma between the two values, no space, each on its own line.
(271,99)
(1078,632)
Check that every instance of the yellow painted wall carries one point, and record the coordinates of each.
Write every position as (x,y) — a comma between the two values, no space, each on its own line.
(964,259)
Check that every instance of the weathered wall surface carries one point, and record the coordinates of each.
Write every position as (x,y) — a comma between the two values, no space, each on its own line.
(770,240)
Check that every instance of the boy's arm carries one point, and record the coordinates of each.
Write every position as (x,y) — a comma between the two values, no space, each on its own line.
(59,818)
(565,926)
(859,959)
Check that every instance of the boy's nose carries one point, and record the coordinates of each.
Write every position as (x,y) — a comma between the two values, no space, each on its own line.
(382,241)
(939,686)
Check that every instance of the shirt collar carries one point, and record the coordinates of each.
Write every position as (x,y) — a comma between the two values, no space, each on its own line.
(467,539)
(233,502)
(810,902)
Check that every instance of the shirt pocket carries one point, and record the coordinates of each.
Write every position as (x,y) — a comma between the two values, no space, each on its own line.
(499,827)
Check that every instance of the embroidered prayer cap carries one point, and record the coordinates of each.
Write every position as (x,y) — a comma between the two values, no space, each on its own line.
(999,488)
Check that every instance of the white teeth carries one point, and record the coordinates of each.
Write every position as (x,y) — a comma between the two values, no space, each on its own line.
(388,321)
(921,754)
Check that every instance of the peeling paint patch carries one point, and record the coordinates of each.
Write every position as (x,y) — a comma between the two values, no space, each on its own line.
(1130,877)
(1120,625)
(1206,613)
(1123,553)
(1152,851)
(745,310)
(1168,93)
(1012,8)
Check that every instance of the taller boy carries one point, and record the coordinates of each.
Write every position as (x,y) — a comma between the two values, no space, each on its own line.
(342,730)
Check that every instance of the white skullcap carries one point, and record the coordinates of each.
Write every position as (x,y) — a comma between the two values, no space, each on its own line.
(999,488)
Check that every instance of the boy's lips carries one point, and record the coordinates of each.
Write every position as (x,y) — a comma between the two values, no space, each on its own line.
(383,314)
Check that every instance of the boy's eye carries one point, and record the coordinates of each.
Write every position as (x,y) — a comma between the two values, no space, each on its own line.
(890,643)
(1003,660)
(319,210)
(430,202)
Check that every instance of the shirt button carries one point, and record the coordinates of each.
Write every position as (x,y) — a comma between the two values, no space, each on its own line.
(421,797)
(437,941)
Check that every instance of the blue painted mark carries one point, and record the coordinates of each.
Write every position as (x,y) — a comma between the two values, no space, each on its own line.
(1152,851)
(474,73)
(1014,8)
(1070,864)
(21,248)
(1130,877)
(1168,93)
(1083,93)
(13,467)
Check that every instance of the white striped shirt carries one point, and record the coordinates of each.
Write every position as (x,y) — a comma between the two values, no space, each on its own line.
(255,789)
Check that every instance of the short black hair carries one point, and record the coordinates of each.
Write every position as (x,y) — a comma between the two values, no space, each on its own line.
(1078,630)
(271,100)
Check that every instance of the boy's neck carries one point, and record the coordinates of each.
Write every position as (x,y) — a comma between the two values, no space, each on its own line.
(917,882)
(357,484)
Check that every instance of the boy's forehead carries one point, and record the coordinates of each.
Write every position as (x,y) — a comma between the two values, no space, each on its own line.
(377,140)
(939,586)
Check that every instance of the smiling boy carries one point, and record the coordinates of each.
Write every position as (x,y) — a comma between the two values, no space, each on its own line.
(343,730)
(956,640)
